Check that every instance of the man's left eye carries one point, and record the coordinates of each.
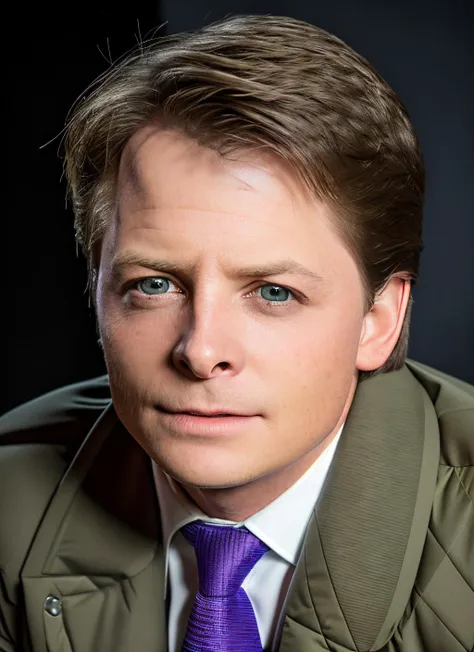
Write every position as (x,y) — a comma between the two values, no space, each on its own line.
(275,293)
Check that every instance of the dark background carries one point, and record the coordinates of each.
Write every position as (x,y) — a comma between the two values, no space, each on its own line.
(424,49)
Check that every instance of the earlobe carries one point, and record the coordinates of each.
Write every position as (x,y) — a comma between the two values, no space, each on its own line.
(383,324)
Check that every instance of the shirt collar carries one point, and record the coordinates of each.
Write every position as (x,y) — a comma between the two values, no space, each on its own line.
(279,524)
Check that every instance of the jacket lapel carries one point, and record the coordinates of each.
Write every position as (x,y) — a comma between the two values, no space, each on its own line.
(364,544)
(98,550)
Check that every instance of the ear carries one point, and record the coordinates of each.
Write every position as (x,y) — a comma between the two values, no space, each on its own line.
(382,324)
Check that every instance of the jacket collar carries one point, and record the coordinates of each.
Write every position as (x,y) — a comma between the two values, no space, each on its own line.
(99,545)
(364,545)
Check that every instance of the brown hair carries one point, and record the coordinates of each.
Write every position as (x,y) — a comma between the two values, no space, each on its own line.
(275,84)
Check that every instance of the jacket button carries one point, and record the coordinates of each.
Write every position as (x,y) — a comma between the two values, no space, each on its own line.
(52,605)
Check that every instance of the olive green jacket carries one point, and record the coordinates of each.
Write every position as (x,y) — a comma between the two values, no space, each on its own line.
(387,563)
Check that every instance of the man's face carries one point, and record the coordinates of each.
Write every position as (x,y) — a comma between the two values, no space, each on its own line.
(184,328)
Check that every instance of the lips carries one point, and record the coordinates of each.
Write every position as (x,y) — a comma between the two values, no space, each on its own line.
(200,414)
(179,424)
(205,413)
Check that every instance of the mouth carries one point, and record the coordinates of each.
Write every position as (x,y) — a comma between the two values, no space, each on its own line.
(202,423)
(213,414)
(207,416)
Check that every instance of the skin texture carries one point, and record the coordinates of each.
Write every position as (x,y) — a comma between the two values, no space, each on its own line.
(207,337)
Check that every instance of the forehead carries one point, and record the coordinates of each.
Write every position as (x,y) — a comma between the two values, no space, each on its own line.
(165,168)
(180,202)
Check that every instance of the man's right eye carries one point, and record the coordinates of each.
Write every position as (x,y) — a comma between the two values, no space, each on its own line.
(153,285)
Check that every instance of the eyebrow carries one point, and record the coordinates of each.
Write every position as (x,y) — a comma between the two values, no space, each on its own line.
(123,261)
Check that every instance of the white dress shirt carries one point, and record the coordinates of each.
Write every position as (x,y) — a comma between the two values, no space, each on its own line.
(281,525)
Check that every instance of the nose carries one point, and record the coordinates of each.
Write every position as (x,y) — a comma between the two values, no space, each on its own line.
(209,346)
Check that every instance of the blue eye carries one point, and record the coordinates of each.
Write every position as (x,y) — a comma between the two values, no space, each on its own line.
(154,285)
(275,293)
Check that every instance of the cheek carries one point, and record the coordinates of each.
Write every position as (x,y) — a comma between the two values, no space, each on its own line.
(328,339)
(317,368)
(129,329)
(135,345)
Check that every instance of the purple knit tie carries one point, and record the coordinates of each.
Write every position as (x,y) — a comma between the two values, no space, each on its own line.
(222,618)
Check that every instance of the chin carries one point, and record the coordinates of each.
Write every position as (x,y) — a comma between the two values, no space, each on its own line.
(207,476)
(201,480)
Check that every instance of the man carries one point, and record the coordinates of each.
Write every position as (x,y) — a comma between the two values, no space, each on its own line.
(271,472)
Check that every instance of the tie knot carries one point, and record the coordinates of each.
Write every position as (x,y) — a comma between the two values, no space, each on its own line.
(225,556)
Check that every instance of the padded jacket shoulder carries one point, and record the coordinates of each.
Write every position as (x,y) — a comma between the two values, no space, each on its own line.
(37,441)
